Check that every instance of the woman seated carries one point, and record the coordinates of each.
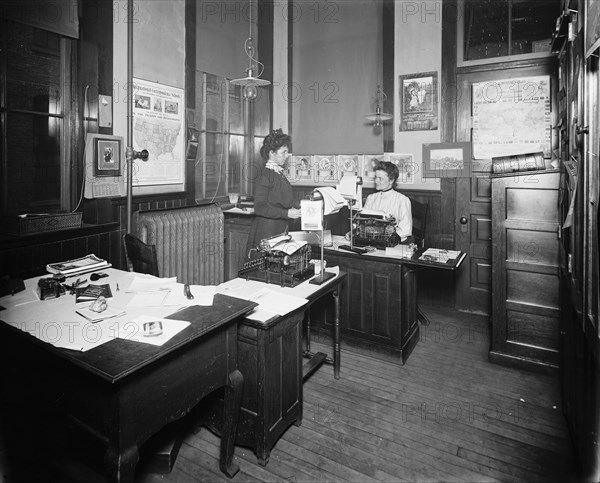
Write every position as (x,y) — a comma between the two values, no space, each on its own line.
(391,202)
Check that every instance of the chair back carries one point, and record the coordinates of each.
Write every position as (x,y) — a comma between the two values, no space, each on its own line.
(141,258)
(420,212)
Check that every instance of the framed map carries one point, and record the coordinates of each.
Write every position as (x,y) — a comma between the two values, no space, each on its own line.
(511,116)
(159,127)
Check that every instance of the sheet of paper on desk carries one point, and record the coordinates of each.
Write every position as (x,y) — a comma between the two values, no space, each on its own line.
(203,295)
(110,312)
(149,291)
(134,329)
(79,335)
(276,302)
(400,251)
(49,322)
(148,283)
(261,315)
(149,299)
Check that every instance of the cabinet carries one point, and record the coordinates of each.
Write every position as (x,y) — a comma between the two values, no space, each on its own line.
(580,254)
(525,282)
(237,229)
(270,359)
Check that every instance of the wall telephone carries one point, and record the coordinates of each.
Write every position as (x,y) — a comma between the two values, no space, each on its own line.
(104,166)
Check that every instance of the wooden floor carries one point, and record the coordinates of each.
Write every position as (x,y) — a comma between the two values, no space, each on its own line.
(447,415)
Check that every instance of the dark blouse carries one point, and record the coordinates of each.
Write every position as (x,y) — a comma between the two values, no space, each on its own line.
(273,197)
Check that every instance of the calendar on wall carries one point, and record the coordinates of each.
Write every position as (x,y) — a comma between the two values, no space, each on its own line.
(512,116)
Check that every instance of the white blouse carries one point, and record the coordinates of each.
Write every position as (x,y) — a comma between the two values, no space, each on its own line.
(395,204)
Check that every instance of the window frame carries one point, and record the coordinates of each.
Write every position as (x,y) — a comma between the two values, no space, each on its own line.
(67,116)
(249,155)
(460,62)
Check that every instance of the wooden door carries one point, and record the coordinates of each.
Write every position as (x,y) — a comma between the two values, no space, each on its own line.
(472,224)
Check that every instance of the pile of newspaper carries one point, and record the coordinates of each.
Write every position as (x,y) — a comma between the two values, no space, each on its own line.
(89,263)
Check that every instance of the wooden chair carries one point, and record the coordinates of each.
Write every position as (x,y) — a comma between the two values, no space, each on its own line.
(420,213)
(140,256)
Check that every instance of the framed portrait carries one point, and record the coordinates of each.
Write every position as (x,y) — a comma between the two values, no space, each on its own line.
(406,167)
(447,160)
(107,157)
(418,102)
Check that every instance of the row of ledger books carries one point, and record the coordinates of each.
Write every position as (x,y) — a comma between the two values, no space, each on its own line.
(86,264)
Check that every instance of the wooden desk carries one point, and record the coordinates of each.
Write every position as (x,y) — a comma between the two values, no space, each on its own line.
(123,392)
(379,304)
(270,357)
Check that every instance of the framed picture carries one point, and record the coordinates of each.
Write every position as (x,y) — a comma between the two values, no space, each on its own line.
(107,157)
(367,171)
(301,170)
(406,167)
(325,170)
(419,102)
(348,164)
(447,160)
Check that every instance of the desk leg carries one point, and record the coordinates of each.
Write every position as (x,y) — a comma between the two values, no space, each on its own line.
(231,413)
(336,336)
(121,465)
(307,352)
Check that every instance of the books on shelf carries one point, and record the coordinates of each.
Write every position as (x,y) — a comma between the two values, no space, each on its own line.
(77,266)
(91,292)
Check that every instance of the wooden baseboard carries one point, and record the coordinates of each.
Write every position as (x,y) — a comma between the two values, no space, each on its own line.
(523,363)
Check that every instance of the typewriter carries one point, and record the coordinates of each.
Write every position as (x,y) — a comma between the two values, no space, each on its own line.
(375,229)
(279,260)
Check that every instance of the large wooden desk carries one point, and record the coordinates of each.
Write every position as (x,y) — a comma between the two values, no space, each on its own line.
(379,303)
(123,392)
(270,358)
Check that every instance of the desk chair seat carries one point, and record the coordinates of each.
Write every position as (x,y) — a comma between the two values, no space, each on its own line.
(140,256)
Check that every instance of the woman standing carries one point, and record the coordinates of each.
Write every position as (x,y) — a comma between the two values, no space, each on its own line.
(274,203)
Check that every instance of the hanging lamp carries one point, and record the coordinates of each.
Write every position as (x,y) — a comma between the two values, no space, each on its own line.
(378,117)
(254,68)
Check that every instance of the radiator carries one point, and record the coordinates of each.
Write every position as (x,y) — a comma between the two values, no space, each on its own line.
(189,242)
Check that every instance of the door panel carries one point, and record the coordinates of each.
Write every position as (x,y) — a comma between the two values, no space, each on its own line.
(473,195)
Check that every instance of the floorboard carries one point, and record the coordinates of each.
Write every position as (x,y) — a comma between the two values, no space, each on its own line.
(448,415)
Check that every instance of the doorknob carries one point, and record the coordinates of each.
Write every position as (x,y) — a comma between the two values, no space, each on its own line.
(463,223)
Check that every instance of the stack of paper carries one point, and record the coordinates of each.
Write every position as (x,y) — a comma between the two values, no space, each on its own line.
(332,199)
(439,255)
(77,266)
